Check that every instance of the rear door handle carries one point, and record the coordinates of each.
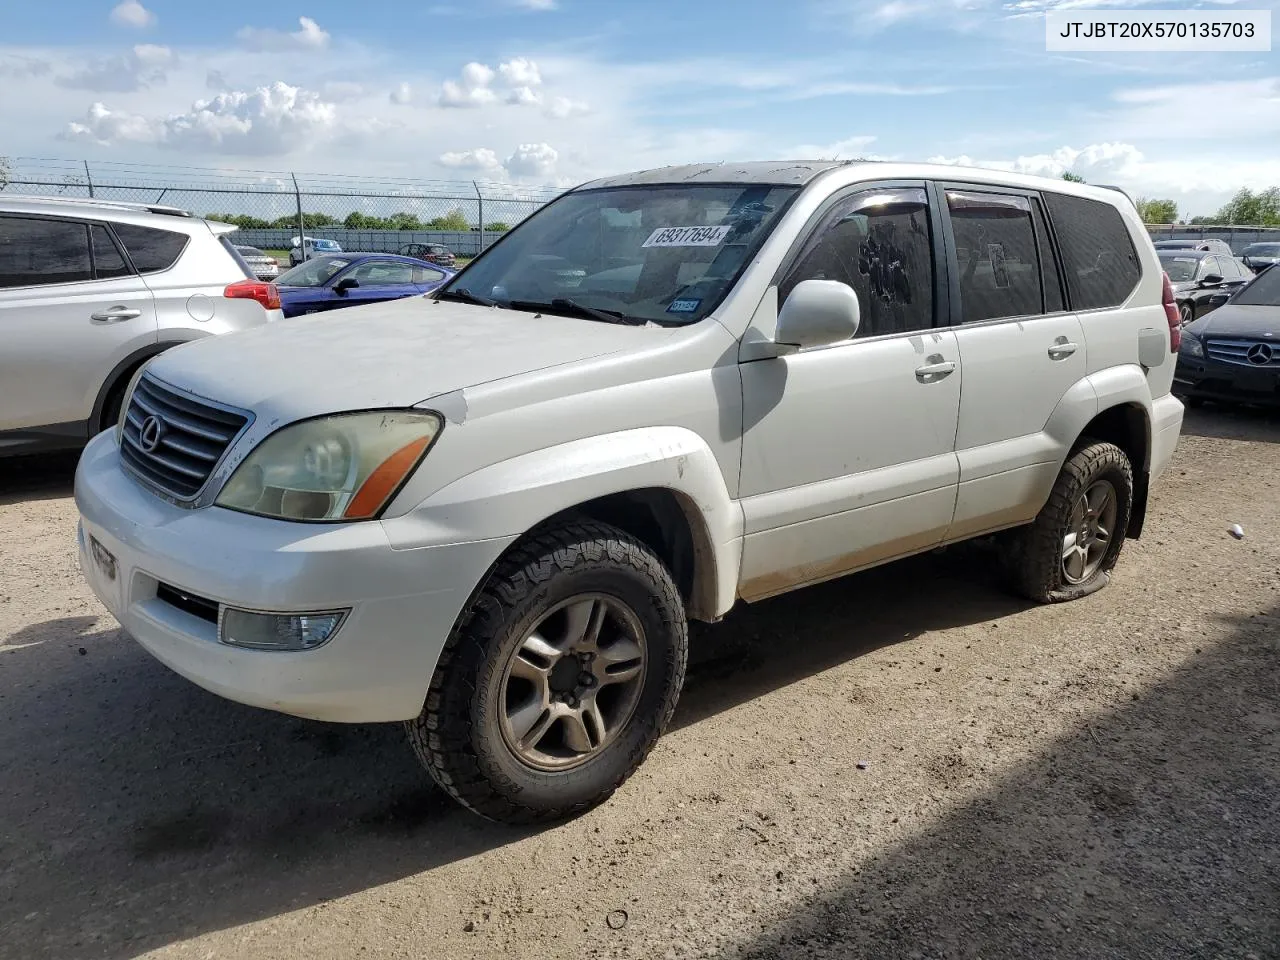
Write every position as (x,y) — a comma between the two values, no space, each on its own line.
(935,369)
(116,314)
(1062,349)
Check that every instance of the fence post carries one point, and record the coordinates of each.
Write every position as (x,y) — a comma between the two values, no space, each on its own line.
(88,179)
(480,203)
(302,226)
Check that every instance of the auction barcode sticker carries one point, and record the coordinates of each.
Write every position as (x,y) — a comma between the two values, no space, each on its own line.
(687,237)
(1155,31)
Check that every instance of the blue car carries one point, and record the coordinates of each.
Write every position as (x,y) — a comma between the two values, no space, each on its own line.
(351,279)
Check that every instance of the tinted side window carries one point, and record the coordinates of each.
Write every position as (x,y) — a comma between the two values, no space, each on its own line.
(1230,269)
(996,255)
(35,252)
(878,242)
(151,250)
(1101,264)
(108,262)
(1207,266)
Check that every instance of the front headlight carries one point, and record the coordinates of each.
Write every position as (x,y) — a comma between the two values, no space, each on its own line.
(343,467)
(1191,345)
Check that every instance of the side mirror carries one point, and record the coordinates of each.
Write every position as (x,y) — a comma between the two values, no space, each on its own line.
(342,286)
(1212,280)
(818,312)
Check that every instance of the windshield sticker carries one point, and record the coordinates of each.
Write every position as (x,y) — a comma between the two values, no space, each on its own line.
(687,236)
(684,306)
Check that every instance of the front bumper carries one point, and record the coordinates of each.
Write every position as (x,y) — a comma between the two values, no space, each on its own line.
(1203,377)
(403,601)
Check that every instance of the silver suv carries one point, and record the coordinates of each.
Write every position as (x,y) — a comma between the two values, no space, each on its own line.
(90,290)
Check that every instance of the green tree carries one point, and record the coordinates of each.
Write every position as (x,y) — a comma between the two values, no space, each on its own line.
(4,172)
(403,221)
(497,227)
(1261,209)
(358,221)
(241,220)
(1073,177)
(1157,211)
(455,220)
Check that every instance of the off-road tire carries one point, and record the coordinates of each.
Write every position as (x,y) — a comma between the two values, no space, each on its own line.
(1032,555)
(457,736)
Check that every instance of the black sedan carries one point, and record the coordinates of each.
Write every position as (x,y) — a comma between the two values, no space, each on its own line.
(1234,353)
(1201,281)
(430,252)
(1258,256)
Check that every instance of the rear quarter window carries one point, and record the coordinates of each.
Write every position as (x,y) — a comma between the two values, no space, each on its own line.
(151,250)
(1100,261)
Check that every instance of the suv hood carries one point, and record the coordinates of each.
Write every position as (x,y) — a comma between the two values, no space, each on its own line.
(395,354)
(1239,320)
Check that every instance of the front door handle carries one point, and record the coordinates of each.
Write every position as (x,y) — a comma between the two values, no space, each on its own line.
(935,369)
(116,314)
(1062,348)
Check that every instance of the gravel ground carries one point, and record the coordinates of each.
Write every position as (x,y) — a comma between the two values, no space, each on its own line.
(906,763)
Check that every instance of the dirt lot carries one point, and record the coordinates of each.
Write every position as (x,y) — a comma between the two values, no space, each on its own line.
(1100,779)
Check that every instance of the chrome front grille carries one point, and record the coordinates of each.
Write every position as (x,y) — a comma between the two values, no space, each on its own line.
(172,441)
(1248,353)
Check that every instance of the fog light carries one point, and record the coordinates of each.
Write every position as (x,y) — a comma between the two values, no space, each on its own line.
(277,631)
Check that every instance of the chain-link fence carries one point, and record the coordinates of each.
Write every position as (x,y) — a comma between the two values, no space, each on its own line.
(371,214)
(368,214)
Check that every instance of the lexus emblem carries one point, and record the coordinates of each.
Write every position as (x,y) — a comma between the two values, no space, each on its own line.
(150,434)
(1259,353)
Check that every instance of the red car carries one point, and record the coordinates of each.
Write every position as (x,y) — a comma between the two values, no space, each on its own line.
(430,252)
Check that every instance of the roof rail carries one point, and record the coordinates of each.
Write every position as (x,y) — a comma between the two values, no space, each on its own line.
(1120,190)
(109,204)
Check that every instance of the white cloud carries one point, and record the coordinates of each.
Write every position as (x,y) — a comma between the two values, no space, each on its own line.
(524,97)
(520,72)
(536,4)
(105,127)
(216,80)
(402,94)
(561,108)
(481,160)
(309,36)
(533,160)
(268,121)
(471,90)
(143,66)
(131,13)
(475,86)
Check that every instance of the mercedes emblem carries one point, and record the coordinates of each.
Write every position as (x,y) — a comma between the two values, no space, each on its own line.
(1259,353)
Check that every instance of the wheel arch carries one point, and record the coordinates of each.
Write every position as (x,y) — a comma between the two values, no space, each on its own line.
(119,376)
(662,485)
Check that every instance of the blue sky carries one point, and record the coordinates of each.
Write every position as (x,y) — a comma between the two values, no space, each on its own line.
(555,91)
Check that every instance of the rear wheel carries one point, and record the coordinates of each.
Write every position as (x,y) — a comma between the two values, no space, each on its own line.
(1186,312)
(1068,551)
(560,678)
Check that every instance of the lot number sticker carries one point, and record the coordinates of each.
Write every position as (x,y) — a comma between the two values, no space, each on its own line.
(687,237)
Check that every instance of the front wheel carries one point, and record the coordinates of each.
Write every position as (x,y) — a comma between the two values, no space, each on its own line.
(557,682)
(1068,551)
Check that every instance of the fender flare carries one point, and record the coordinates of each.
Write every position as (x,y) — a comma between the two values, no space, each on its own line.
(513,496)
(1123,386)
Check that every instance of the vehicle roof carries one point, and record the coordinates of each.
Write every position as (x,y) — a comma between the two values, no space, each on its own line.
(158,215)
(1185,252)
(803,172)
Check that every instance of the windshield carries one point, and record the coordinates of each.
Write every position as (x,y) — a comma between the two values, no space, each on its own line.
(666,253)
(1179,269)
(1262,250)
(1263,291)
(313,273)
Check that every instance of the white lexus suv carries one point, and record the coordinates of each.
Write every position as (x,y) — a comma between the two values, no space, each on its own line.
(489,513)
